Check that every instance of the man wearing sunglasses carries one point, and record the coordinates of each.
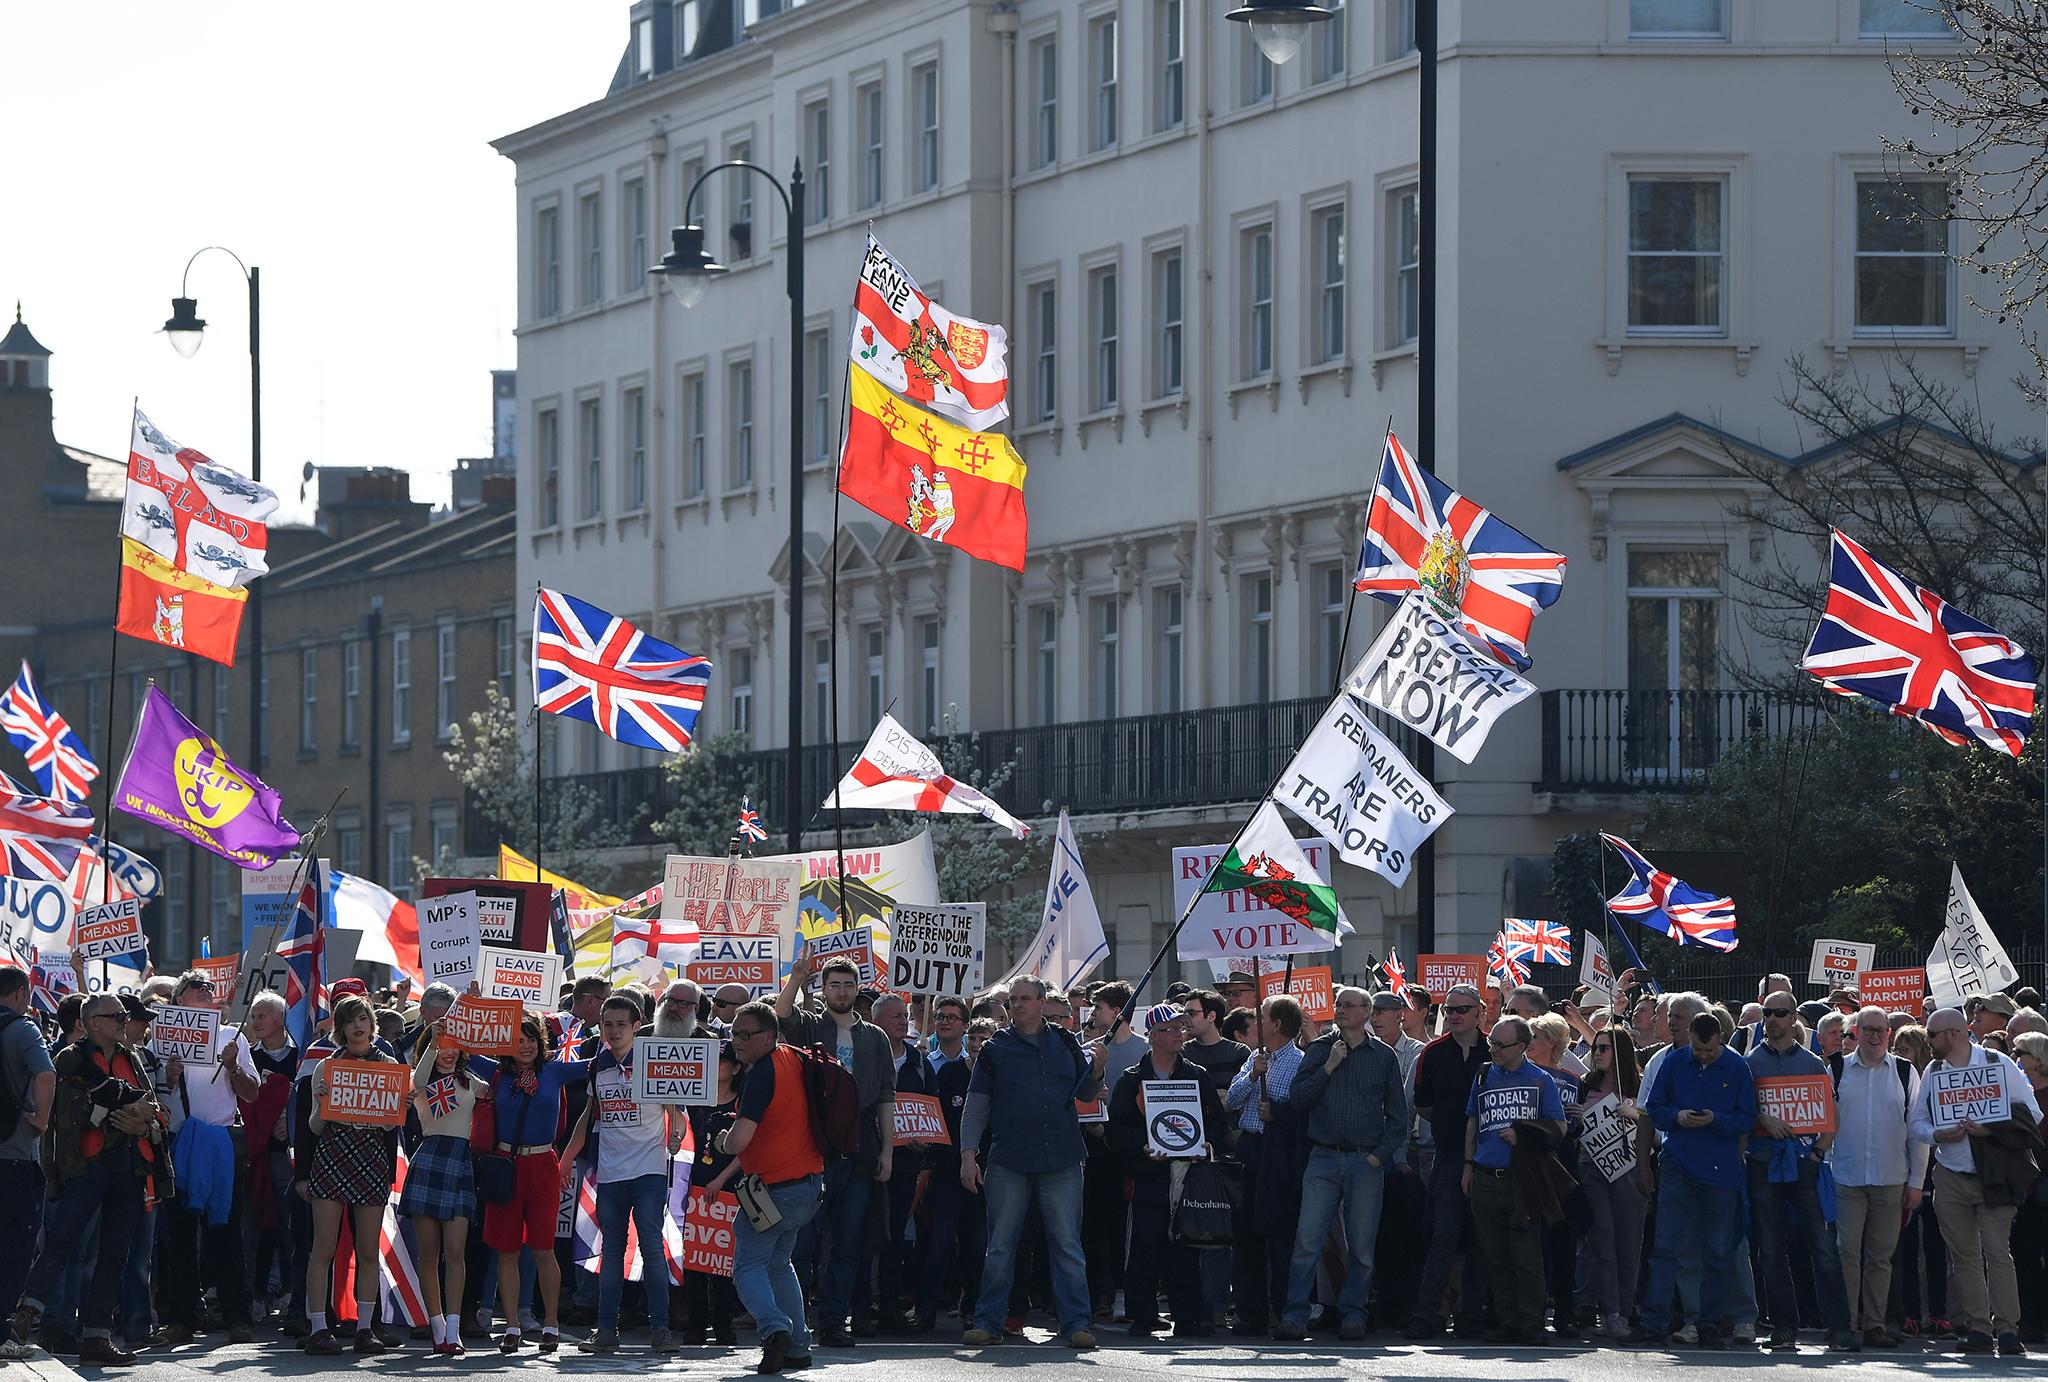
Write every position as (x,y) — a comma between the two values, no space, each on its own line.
(1511,1099)
(1878,1169)
(1443,1083)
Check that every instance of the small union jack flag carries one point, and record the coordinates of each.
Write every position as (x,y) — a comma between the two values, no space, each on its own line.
(303,949)
(1397,977)
(1503,965)
(41,837)
(594,666)
(56,755)
(750,823)
(1538,942)
(441,1097)
(1664,902)
(1890,641)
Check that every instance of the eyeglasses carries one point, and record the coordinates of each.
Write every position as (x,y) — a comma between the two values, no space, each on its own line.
(1777,1012)
(738,1035)
(725,1003)
(1875,1031)
(1504,1045)
(1456,1008)
(117,1016)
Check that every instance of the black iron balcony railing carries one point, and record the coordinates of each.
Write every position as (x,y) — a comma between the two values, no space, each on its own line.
(1657,740)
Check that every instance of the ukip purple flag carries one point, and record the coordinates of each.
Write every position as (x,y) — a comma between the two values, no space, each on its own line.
(179,778)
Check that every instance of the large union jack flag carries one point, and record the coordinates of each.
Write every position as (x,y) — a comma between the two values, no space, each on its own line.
(40,837)
(1890,641)
(1397,976)
(594,666)
(1538,942)
(56,755)
(1422,533)
(1664,902)
(303,951)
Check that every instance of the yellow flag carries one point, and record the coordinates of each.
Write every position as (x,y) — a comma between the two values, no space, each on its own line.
(515,867)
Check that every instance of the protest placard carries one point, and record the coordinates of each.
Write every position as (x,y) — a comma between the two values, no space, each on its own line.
(268,894)
(221,971)
(449,939)
(1091,1110)
(725,959)
(732,895)
(1972,1093)
(1895,990)
(856,943)
(114,928)
(533,979)
(1434,678)
(1607,1137)
(937,950)
(55,973)
(262,971)
(1436,973)
(1349,780)
(565,1209)
(1501,1106)
(708,1231)
(1806,1103)
(509,914)
(920,1119)
(485,1026)
(1310,987)
(1835,964)
(1173,1116)
(675,1070)
(185,1034)
(1234,926)
(364,1091)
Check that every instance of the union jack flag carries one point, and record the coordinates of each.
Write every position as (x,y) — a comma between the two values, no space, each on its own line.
(1397,977)
(1538,942)
(1502,963)
(1883,638)
(750,822)
(1420,530)
(56,755)
(594,666)
(41,837)
(1664,902)
(441,1097)
(303,950)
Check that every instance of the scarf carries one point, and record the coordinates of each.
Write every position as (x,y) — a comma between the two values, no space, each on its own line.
(259,1116)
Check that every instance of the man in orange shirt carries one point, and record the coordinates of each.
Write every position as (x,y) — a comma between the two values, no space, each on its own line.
(771,1141)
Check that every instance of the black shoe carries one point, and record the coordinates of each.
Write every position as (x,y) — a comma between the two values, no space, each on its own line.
(99,1352)
(2009,1345)
(1287,1331)
(1193,1331)
(1141,1328)
(1783,1339)
(863,1326)
(1712,1338)
(1419,1329)
(774,1352)
(836,1337)
(722,1334)
(1644,1337)
(1976,1341)
(1351,1331)
(1846,1341)
(796,1362)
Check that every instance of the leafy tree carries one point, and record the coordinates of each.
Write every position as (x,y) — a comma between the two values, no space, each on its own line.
(705,783)
(976,859)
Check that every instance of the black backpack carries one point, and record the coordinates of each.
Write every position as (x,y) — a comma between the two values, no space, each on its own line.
(834,1103)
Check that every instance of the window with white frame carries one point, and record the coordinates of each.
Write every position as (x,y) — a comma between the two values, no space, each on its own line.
(1167,313)
(1105,616)
(818,143)
(503,651)
(1677,256)
(1169,625)
(1258,661)
(924,95)
(1102,316)
(177,868)
(1170,43)
(590,422)
(1044,351)
(1674,659)
(548,442)
(633,407)
(739,394)
(351,693)
(693,437)
(1902,263)
(1404,267)
(692,169)
(1045,686)
(821,688)
(1400,29)
(1255,72)
(1885,18)
(741,181)
(401,686)
(1330,585)
(547,261)
(1045,93)
(867,105)
(1255,272)
(931,710)
(873,645)
(1326,243)
(1102,80)
(590,227)
(689,20)
(633,235)
(740,691)
(1327,56)
(444,833)
(348,839)
(818,372)
(309,700)
(444,679)
(398,852)
(1677,19)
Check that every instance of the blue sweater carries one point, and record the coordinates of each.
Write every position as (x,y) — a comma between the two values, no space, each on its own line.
(1023,1090)
(1724,1089)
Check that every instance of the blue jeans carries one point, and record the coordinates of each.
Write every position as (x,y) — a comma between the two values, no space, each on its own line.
(762,1271)
(645,1198)
(1769,1206)
(1333,1176)
(1696,1222)
(138,1319)
(21,1221)
(1008,1194)
(845,1247)
(115,1192)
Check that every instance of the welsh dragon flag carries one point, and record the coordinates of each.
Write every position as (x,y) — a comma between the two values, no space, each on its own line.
(1288,908)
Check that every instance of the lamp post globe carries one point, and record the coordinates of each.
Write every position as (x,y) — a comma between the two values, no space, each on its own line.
(185,328)
(687,268)
(1279,27)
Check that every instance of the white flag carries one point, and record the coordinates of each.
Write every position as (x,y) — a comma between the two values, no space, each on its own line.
(1968,959)
(896,772)
(1594,971)
(1350,782)
(1431,676)
(1070,941)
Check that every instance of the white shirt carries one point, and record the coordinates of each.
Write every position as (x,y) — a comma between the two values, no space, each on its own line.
(1871,1145)
(632,1137)
(1958,1156)
(208,1092)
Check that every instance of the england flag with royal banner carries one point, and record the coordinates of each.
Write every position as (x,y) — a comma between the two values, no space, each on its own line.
(956,366)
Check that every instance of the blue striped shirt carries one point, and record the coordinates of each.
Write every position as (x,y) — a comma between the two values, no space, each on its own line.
(1280,1072)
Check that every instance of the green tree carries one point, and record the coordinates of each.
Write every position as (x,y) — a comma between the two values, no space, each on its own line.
(977,860)
(704,785)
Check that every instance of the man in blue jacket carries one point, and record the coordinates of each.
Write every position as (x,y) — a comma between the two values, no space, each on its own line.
(1704,1102)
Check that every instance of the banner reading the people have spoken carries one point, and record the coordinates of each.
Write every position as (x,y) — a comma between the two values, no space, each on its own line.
(1431,677)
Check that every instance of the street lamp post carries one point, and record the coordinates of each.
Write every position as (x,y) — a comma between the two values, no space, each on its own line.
(688,270)
(1279,27)
(186,331)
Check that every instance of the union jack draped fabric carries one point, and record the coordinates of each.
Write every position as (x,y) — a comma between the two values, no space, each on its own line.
(40,837)
(1503,964)
(594,666)
(1888,640)
(57,757)
(1421,534)
(1666,903)
(303,949)
(750,822)
(1538,942)
(590,1240)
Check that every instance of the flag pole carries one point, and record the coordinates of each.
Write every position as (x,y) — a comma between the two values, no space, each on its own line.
(1351,598)
(832,597)
(534,675)
(113,678)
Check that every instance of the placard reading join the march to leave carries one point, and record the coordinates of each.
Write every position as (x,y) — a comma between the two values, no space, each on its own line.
(449,939)
(675,1070)
(103,932)
(1172,1111)
(937,950)
(1607,1137)
(533,979)
(1431,677)
(1972,1093)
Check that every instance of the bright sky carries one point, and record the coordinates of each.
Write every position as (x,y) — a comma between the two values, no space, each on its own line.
(343,150)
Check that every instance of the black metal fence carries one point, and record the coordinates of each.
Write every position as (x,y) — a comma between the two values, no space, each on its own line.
(1658,741)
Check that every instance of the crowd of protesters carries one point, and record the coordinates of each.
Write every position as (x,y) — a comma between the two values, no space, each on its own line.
(1405,1169)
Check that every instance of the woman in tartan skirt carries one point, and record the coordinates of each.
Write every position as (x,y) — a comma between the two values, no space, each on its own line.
(353,1164)
(440,1184)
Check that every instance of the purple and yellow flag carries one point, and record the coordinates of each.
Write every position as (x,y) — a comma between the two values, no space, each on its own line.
(178,778)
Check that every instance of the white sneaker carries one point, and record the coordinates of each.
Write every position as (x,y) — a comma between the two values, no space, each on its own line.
(1688,1335)
(10,1349)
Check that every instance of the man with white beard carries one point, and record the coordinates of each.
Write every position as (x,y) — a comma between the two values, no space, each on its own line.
(676,1014)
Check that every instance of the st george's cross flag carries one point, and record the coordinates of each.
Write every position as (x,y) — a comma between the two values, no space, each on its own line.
(40,838)
(593,666)
(942,482)
(1888,640)
(1538,942)
(1421,534)
(896,772)
(57,757)
(955,365)
(665,940)
(1664,902)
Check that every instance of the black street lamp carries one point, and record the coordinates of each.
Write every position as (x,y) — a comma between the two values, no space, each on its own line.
(688,270)
(186,331)
(1279,27)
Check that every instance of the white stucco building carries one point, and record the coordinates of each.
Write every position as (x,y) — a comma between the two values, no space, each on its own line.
(1207,269)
